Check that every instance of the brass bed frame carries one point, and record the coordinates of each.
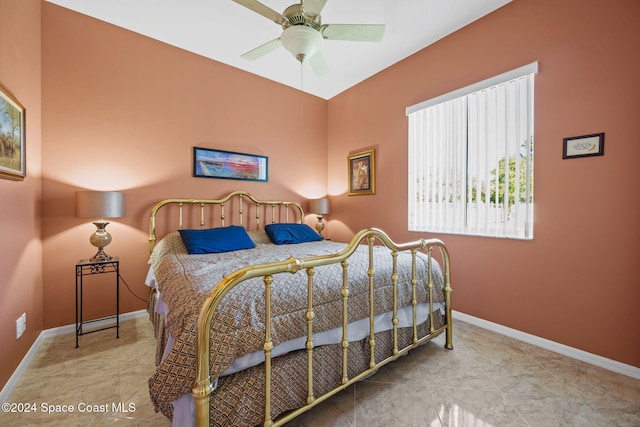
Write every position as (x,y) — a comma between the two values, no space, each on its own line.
(203,386)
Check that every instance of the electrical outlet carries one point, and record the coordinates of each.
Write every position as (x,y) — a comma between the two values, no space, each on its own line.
(21,325)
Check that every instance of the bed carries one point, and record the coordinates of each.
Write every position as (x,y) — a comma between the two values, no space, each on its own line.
(256,333)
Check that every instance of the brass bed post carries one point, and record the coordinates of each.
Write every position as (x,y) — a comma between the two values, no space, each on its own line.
(430,288)
(345,320)
(257,216)
(268,346)
(394,285)
(273,214)
(446,267)
(153,238)
(152,231)
(414,299)
(310,316)
(286,212)
(372,335)
(202,386)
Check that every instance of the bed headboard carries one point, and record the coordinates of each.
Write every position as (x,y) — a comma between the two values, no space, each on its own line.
(237,208)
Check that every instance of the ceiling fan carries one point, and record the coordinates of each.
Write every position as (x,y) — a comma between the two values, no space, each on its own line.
(303,31)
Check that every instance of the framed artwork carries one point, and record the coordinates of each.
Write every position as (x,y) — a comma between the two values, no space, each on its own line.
(362,173)
(583,146)
(12,137)
(209,163)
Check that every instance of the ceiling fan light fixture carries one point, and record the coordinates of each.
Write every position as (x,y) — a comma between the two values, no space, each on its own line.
(302,41)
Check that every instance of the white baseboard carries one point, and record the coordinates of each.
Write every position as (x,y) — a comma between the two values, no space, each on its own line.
(603,362)
(53,332)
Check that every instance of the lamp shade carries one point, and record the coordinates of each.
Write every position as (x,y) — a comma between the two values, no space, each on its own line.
(100,204)
(319,206)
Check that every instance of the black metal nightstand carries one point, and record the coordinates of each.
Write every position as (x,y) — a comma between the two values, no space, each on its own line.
(88,267)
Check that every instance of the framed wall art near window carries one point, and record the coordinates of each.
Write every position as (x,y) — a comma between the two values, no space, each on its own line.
(12,137)
(362,173)
(210,163)
(583,146)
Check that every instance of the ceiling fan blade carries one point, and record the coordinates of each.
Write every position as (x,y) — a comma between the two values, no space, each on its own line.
(263,10)
(355,32)
(312,8)
(318,64)
(262,50)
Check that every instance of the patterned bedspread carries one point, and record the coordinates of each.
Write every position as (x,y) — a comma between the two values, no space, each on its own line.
(185,280)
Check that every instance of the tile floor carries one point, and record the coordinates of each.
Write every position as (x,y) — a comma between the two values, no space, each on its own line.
(487,380)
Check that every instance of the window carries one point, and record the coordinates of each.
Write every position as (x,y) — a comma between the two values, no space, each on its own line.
(471,159)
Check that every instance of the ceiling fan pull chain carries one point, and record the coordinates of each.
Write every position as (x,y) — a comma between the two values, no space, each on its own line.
(301,89)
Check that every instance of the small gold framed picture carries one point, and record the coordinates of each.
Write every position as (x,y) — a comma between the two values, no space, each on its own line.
(362,173)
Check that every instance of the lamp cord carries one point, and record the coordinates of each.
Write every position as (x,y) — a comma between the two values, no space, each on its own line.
(130,291)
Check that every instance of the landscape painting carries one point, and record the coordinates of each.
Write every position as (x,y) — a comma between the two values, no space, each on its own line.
(12,138)
(209,163)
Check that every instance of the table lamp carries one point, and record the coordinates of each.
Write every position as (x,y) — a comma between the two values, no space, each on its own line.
(319,207)
(100,204)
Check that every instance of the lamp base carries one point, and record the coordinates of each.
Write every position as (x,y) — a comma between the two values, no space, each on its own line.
(100,239)
(319,225)
(100,256)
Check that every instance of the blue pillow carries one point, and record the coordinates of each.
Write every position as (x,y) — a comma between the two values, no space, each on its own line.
(282,234)
(216,240)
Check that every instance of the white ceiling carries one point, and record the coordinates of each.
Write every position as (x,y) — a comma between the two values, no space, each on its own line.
(223,30)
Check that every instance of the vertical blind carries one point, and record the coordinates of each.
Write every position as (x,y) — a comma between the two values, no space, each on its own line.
(471,159)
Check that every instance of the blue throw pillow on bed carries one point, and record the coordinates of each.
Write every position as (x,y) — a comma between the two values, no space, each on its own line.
(282,234)
(216,240)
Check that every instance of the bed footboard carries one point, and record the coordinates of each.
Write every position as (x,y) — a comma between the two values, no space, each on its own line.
(203,386)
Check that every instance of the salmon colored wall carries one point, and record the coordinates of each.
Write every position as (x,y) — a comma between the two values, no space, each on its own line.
(122,112)
(577,282)
(20,247)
